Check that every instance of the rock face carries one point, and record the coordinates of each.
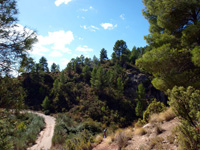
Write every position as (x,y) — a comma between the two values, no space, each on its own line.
(135,77)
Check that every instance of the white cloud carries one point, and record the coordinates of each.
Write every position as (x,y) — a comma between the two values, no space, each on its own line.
(59,2)
(64,61)
(84,49)
(90,28)
(39,50)
(55,54)
(51,62)
(84,9)
(58,40)
(87,9)
(108,26)
(122,16)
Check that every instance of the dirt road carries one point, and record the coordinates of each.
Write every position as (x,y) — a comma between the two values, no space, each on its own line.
(44,140)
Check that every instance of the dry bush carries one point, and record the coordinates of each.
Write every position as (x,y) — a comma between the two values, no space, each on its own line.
(163,116)
(158,129)
(109,139)
(140,131)
(156,143)
(167,115)
(154,118)
(123,137)
(98,139)
(139,123)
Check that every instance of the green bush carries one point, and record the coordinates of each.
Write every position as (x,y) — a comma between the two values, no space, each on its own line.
(186,105)
(154,107)
(73,135)
(19,132)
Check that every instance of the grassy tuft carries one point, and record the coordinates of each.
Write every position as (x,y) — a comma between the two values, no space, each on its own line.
(123,137)
(140,131)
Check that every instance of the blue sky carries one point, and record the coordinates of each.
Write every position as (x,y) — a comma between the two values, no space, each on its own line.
(68,28)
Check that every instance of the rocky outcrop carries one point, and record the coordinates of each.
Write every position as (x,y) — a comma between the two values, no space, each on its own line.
(135,77)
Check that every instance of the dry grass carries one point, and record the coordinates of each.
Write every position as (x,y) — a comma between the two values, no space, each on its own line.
(123,137)
(154,118)
(167,115)
(163,116)
(140,131)
(98,139)
(109,139)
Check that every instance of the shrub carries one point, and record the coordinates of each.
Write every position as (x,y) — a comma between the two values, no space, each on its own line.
(186,105)
(20,132)
(98,139)
(154,107)
(139,123)
(156,143)
(167,115)
(140,131)
(122,138)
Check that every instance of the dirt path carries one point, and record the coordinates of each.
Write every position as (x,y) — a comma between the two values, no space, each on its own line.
(44,141)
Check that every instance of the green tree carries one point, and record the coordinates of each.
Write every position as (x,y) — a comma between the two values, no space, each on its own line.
(69,68)
(86,73)
(114,58)
(11,94)
(53,67)
(186,104)
(100,78)
(154,107)
(120,87)
(134,54)
(28,64)
(77,65)
(14,44)
(120,48)
(95,61)
(63,77)
(109,78)
(43,64)
(103,55)
(87,61)
(46,104)
(93,77)
(173,38)
(56,86)
(141,100)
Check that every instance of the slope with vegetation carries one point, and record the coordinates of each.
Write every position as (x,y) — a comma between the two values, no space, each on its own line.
(92,94)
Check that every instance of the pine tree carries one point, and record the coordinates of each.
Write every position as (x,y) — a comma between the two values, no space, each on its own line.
(93,77)
(103,55)
(174,38)
(186,104)
(120,87)
(43,64)
(14,44)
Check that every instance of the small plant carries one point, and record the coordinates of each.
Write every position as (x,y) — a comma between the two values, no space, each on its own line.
(159,130)
(156,143)
(167,115)
(154,107)
(140,131)
(98,139)
(123,137)
(139,123)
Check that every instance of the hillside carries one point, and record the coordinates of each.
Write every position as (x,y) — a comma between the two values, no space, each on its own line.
(158,135)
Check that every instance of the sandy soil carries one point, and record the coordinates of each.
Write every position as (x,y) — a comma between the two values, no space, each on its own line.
(44,140)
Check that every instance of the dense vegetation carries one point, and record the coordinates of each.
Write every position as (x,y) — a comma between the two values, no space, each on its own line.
(19,131)
(91,94)
(174,60)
